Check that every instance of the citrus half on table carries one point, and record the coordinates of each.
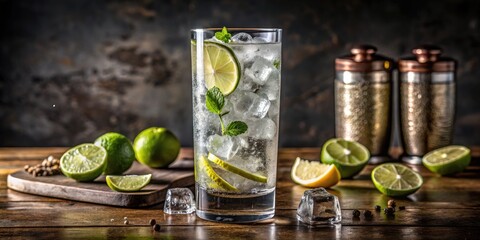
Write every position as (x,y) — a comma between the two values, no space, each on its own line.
(447,160)
(314,174)
(396,180)
(349,157)
(84,162)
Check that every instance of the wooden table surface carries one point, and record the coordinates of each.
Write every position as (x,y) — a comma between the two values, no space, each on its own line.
(444,208)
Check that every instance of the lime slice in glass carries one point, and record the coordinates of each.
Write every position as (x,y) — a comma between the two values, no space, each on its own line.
(221,67)
(393,179)
(128,183)
(348,156)
(218,181)
(229,167)
(84,162)
(447,160)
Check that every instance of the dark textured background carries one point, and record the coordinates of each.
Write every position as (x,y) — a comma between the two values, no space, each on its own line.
(72,70)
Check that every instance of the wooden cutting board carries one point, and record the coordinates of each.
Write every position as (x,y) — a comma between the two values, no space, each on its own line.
(178,174)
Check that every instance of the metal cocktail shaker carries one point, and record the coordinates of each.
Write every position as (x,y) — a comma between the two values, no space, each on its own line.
(427,102)
(363,87)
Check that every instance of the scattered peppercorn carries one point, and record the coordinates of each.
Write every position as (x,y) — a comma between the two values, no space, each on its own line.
(389,211)
(125,218)
(392,203)
(152,222)
(356,213)
(49,166)
(367,214)
(378,208)
(156,227)
(126,222)
(401,208)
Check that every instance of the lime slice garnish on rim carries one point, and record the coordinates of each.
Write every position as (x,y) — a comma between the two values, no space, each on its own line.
(221,67)
(393,179)
(219,181)
(128,183)
(447,160)
(84,162)
(349,157)
(229,167)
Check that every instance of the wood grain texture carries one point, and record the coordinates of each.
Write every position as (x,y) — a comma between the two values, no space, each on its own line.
(444,208)
(179,174)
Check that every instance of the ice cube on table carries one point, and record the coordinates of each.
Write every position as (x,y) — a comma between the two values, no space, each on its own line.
(179,201)
(264,128)
(251,105)
(224,147)
(261,70)
(319,207)
(241,38)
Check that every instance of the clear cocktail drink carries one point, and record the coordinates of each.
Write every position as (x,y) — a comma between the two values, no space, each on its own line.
(236,100)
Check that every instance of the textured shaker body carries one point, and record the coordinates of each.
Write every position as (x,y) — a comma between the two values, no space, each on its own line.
(427,102)
(363,100)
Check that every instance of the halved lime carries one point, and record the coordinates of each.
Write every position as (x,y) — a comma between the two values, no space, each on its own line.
(84,162)
(229,167)
(349,157)
(393,179)
(447,160)
(221,67)
(128,183)
(219,181)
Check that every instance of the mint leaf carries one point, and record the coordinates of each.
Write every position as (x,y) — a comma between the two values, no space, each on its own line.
(276,64)
(224,35)
(214,100)
(236,128)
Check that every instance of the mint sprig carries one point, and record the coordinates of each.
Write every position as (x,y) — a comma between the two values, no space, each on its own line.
(224,35)
(215,101)
(276,64)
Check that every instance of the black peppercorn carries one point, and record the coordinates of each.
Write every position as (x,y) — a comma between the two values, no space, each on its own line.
(389,211)
(392,203)
(156,227)
(401,208)
(367,214)
(378,208)
(356,213)
(152,222)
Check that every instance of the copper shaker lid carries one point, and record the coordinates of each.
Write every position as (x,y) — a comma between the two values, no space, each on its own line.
(427,59)
(363,58)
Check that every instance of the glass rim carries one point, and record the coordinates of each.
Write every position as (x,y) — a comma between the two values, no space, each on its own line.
(235,29)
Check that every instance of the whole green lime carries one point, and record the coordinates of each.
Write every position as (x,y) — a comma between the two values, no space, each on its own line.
(120,154)
(156,147)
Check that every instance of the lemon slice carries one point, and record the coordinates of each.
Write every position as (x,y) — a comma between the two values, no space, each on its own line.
(128,183)
(84,162)
(221,67)
(447,160)
(314,174)
(229,167)
(393,179)
(218,181)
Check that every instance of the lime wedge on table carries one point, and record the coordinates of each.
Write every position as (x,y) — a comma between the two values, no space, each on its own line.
(217,181)
(447,160)
(229,167)
(393,179)
(84,162)
(128,183)
(348,156)
(221,67)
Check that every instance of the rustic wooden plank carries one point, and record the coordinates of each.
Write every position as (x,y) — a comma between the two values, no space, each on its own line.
(82,214)
(226,231)
(179,174)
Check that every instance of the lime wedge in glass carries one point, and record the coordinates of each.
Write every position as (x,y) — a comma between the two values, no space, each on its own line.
(229,167)
(393,179)
(221,67)
(84,162)
(128,183)
(447,160)
(348,156)
(217,181)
